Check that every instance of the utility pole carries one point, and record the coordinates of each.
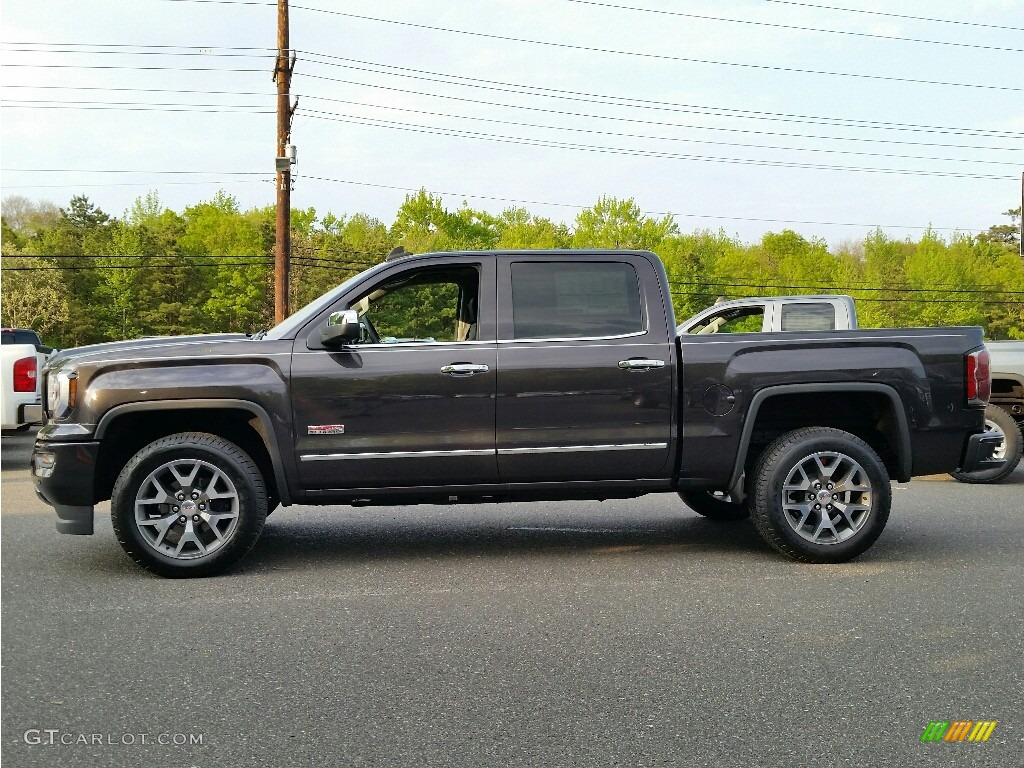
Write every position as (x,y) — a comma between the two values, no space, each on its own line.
(284,159)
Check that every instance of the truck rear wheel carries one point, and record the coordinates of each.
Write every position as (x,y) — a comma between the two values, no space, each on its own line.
(820,495)
(189,504)
(714,505)
(998,421)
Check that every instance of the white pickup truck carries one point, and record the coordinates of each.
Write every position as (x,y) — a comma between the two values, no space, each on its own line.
(22,356)
(1005,413)
(774,314)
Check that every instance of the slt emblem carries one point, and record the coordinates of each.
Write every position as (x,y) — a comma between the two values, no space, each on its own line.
(326,429)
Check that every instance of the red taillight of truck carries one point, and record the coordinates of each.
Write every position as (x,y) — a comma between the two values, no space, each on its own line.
(25,374)
(978,376)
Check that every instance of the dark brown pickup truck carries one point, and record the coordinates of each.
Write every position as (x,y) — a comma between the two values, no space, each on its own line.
(503,376)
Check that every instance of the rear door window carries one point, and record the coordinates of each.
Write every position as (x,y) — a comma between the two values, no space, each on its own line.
(577,299)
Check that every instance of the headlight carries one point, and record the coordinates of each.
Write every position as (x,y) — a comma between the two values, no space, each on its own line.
(61,391)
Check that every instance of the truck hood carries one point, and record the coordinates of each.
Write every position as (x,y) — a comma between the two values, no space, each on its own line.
(117,349)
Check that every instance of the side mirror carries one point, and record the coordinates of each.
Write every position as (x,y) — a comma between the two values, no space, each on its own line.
(342,327)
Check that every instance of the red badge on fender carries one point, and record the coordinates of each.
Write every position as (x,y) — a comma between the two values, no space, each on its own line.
(326,429)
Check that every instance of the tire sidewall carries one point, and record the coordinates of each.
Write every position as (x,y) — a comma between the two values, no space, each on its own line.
(226,457)
(772,475)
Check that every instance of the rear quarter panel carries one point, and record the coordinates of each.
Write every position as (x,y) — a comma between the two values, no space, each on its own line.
(924,367)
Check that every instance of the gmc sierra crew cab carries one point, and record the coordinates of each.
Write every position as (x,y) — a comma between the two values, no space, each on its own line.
(503,376)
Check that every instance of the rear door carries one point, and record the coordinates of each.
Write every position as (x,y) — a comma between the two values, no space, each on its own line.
(585,370)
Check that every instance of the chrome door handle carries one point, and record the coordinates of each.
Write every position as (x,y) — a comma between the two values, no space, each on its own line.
(638,364)
(464,369)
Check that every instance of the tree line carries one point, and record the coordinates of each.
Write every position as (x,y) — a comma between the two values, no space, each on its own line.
(80,276)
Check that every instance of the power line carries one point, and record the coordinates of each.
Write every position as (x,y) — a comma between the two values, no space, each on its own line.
(227,109)
(648,213)
(257,109)
(136,184)
(783,2)
(325,262)
(114,170)
(660,56)
(469,195)
(648,137)
(138,90)
(173,265)
(597,149)
(665,124)
(632,102)
(974,302)
(531,90)
(224,2)
(943,288)
(589,116)
(143,53)
(84,46)
(898,15)
(133,69)
(796,28)
(130,256)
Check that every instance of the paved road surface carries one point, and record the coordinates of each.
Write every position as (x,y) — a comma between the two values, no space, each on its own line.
(573,634)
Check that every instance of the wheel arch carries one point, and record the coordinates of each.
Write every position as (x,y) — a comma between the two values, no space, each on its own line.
(768,406)
(131,426)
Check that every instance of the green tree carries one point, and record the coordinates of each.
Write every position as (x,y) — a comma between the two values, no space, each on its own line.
(234,295)
(614,223)
(517,229)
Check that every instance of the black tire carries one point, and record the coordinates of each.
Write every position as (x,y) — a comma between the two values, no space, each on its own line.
(211,529)
(714,506)
(859,501)
(996,419)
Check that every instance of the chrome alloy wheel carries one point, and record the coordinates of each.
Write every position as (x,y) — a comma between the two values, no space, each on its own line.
(827,498)
(994,429)
(186,509)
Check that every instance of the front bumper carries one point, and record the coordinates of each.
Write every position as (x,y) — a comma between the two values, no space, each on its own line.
(64,476)
(978,452)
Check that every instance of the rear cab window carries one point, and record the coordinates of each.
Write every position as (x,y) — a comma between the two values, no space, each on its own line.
(805,316)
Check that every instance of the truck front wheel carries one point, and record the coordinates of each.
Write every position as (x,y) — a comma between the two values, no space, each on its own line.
(820,495)
(189,504)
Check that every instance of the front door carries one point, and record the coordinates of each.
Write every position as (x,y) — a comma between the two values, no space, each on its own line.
(411,404)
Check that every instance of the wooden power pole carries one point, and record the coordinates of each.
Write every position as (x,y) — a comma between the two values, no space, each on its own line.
(283,77)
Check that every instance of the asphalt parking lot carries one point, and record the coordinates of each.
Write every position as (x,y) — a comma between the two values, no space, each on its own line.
(628,633)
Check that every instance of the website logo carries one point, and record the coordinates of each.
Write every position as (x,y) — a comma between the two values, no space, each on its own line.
(958,730)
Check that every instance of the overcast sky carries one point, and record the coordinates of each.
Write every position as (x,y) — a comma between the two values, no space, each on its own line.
(749,125)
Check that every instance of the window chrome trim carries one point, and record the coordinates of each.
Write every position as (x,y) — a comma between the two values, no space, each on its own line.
(534,340)
(583,448)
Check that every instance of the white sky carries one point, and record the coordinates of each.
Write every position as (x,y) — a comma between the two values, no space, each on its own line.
(684,103)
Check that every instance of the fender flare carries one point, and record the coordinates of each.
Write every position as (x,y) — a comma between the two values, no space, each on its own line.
(268,435)
(903,447)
